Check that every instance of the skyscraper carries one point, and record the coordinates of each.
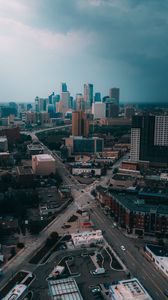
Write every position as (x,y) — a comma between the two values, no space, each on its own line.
(88,95)
(114,93)
(63,87)
(97,97)
(149,139)
(80,103)
(80,124)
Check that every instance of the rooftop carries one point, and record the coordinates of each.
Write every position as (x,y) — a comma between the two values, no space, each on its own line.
(130,200)
(64,289)
(44,157)
(129,290)
(158,250)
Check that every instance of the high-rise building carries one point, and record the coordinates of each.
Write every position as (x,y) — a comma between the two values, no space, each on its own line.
(97,97)
(80,124)
(88,95)
(80,103)
(112,108)
(99,110)
(149,139)
(114,93)
(50,98)
(63,87)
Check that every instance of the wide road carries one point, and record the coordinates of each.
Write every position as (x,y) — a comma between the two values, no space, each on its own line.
(133,258)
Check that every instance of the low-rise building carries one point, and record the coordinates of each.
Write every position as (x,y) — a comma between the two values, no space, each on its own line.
(24,176)
(34,149)
(18,292)
(87,238)
(86,170)
(43,164)
(159,255)
(130,289)
(138,212)
(64,289)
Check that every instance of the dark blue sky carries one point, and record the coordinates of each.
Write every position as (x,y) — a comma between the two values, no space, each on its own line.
(109,43)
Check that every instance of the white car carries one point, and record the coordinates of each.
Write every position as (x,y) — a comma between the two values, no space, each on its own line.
(123,248)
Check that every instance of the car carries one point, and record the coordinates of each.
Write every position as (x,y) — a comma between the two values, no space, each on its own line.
(123,248)
(95,290)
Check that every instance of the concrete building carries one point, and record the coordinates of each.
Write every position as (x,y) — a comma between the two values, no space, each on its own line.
(159,255)
(88,95)
(81,145)
(97,97)
(80,103)
(130,289)
(80,124)
(34,149)
(112,108)
(149,139)
(64,289)
(135,144)
(87,238)
(43,164)
(114,93)
(86,170)
(138,212)
(161,131)
(99,110)
(3,144)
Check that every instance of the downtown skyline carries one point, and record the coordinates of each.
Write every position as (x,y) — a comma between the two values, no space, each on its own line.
(104,42)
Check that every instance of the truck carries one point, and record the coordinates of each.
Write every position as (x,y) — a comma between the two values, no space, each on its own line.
(98,271)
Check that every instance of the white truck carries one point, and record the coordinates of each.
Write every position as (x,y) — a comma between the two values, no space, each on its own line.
(98,271)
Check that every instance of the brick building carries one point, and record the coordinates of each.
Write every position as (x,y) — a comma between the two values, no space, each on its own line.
(138,215)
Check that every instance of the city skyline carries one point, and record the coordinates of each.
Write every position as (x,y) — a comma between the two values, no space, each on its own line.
(107,43)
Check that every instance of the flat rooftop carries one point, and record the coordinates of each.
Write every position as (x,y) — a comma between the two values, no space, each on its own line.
(134,203)
(64,289)
(158,250)
(44,157)
(129,290)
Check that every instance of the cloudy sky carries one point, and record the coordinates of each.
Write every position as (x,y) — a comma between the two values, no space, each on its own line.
(121,43)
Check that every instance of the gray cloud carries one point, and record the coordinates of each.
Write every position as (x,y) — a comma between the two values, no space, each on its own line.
(109,42)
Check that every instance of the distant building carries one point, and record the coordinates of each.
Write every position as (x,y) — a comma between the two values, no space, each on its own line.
(43,164)
(88,95)
(112,108)
(80,103)
(114,93)
(130,289)
(129,111)
(99,110)
(63,87)
(97,97)
(3,144)
(80,124)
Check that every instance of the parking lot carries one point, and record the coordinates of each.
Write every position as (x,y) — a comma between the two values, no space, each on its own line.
(79,263)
